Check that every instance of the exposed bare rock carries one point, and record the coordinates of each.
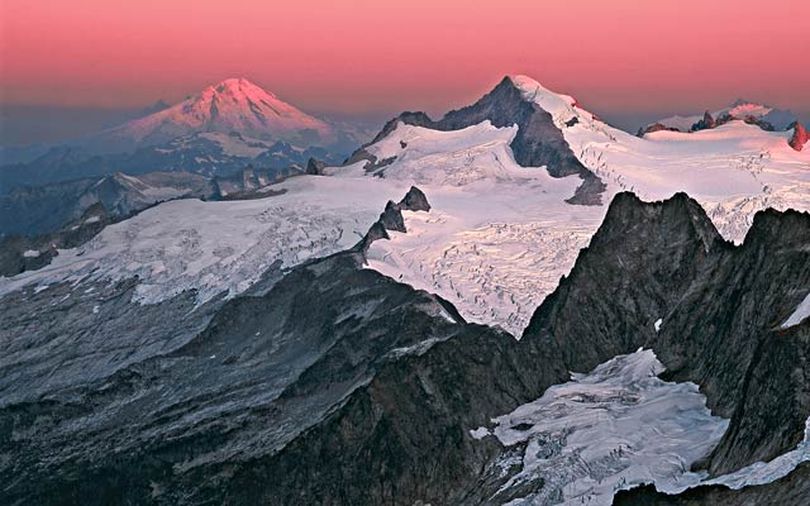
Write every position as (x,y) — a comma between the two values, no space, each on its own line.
(800,137)
(720,308)
(392,219)
(415,200)
(706,123)
(315,167)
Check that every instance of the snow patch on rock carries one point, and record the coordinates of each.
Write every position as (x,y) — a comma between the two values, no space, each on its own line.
(800,314)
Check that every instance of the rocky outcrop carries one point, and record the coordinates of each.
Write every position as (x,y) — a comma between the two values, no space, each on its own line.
(708,122)
(538,142)
(415,200)
(660,276)
(253,183)
(705,123)
(315,167)
(800,136)
(635,269)
(392,219)
(758,121)
(337,385)
(415,118)
(655,127)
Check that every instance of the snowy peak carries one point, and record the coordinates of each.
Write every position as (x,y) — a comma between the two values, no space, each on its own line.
(535,92)
(539,114)
(233,105)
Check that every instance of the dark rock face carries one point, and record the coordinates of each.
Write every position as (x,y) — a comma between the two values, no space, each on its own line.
(720,308)
(417,118)
(315,167)
(415,200)
(800,137)
(538,141)
(725,334)
(793,489)
(391,218)
(409,427)
(705,123)
(637,266)
(655,127)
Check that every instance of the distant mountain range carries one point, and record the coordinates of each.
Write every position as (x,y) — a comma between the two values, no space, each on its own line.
(768,118)
(215,132)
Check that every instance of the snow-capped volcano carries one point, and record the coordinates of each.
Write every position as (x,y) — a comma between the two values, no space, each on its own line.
(233,105)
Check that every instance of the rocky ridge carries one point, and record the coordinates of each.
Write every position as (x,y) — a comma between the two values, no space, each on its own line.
(333,364)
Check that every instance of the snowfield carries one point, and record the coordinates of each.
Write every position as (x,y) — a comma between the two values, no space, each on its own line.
(498,237)
(612,428)
(216,247)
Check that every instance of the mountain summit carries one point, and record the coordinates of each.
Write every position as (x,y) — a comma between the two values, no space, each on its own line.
(233,105)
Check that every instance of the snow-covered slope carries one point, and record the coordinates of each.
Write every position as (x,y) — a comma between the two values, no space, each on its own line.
(216,247)
(499,236)
(234,105)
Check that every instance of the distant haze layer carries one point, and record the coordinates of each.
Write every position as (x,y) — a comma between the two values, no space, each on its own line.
(623,57)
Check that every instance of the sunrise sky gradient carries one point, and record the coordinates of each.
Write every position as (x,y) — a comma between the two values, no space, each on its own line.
(373,57)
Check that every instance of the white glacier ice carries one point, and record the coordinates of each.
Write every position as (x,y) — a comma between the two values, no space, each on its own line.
(612,428)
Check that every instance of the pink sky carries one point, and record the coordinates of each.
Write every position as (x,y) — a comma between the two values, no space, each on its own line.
(367,55)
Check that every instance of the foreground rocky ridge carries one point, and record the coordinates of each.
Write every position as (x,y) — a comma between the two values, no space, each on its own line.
(662,278)
(337,385)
